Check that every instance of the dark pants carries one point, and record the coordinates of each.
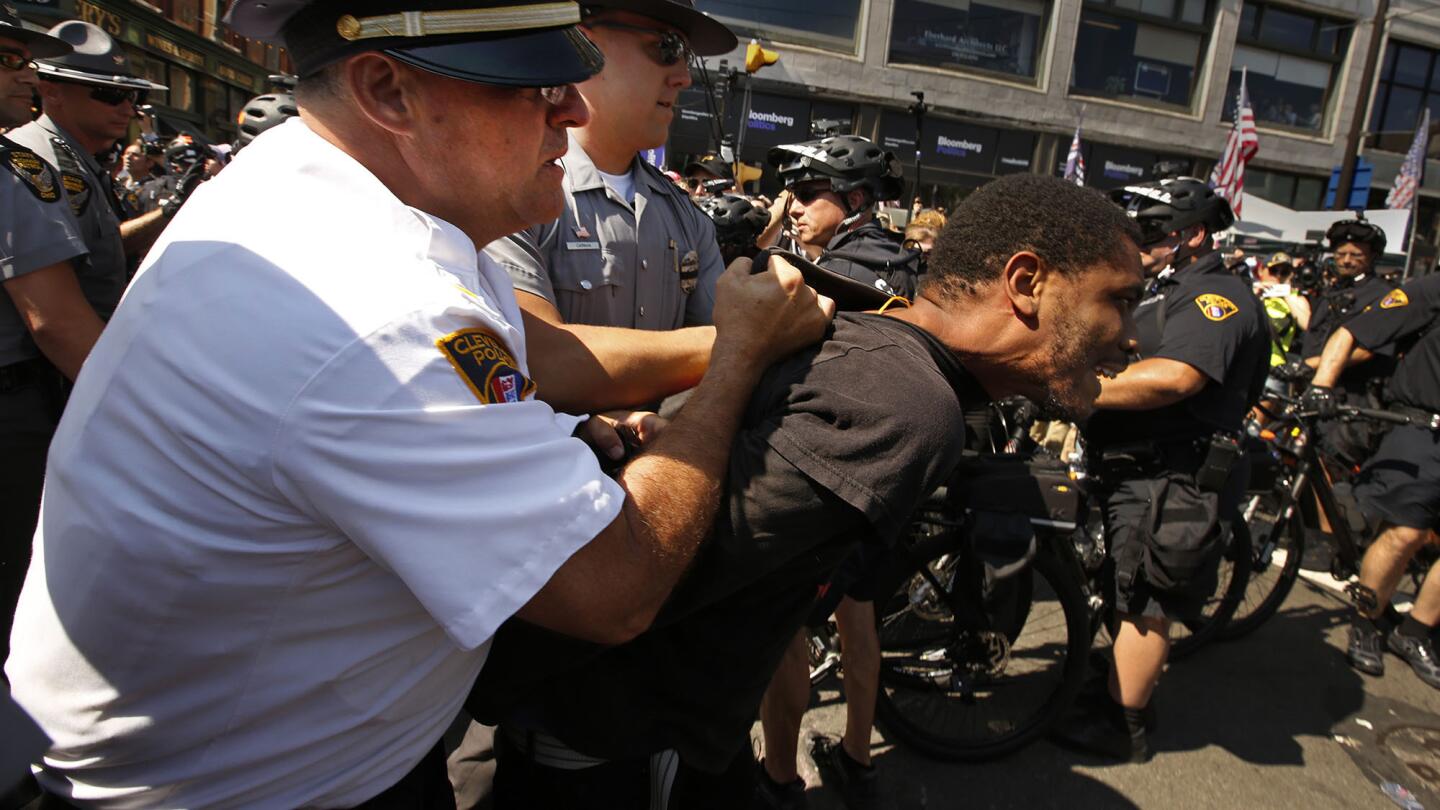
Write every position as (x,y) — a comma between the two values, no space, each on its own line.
(29,411)
(632,784)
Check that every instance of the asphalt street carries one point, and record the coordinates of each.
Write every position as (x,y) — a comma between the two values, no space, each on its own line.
(1274,720)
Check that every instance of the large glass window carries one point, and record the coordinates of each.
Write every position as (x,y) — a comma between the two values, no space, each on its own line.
(998,36)
(831,24)
(1291,61)
(1409,79)
(1296,191)
(1147,50)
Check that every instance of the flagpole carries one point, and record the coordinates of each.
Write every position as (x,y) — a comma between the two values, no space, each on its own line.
(1410,242)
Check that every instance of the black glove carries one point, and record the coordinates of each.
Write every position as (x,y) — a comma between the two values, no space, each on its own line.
(189,181)
(1293,371)
(1320,399)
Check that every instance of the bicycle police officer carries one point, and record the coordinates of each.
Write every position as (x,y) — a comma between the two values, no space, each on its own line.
(630,249)
(45,322)
(1356,245)
(1165,435)
(1400,485)
(831,189)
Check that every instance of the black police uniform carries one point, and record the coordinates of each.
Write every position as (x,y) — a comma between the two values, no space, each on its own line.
(1401,483)
(1162,525)
(1335,307)
(870,252)
(156,190)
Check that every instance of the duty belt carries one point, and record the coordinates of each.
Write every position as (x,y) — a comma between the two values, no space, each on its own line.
(1420,416)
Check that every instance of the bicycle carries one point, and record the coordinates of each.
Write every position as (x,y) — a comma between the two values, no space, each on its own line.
(1303,488)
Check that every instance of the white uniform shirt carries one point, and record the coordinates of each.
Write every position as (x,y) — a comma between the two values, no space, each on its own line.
(299,484)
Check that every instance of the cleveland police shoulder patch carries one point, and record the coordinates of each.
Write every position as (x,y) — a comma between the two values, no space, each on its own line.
(1215,307)
(34,173)
(486,366)
(1396,298)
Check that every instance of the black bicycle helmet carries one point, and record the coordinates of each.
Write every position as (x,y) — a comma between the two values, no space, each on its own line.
(737,220)
(182,153)
(1358,230)
(262,113)
(1163,207)
(847,161)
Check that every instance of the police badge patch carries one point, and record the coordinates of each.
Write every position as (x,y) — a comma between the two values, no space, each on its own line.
(1396,298)
(486,366)
(33,172)
(1215,307)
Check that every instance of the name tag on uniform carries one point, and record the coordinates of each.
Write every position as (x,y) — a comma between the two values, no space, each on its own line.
(582,245)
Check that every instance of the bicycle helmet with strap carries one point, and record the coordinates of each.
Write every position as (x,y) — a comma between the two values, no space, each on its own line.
(1163,207)
(849,162)
(1359,231)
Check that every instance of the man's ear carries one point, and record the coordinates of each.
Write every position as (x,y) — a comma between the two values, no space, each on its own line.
(383,89)
(1023,279)
(856,199)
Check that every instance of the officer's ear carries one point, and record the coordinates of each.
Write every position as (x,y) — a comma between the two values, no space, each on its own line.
(1023,280)
(1195,237)
(383,89)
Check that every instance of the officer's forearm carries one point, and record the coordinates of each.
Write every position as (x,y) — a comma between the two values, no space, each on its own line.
(610,590)
(1341,352)
(1150,384)
(586,369)
(138,234)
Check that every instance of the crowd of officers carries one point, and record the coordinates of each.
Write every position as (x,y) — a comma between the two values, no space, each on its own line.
(620,302)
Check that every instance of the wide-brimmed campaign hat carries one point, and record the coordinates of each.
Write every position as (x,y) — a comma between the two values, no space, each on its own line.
(95,58)
(41,45)
(707,36)
(501,42)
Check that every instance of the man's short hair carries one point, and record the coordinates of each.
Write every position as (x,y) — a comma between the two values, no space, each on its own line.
(1069,227)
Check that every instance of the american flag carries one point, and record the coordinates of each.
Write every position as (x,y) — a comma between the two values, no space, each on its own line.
(1403,194)
(1228,178)
(1075,162)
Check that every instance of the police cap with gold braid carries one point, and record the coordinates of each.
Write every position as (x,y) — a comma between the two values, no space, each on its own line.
(504,42)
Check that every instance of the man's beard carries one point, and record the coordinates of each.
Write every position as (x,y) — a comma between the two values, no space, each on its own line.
(1071,352)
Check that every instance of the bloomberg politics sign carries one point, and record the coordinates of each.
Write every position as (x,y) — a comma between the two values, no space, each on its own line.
(946,144)
(772,120)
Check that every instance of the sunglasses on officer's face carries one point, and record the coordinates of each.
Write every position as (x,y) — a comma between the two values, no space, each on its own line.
(115,95)
(13,60)
(671,46)
(808,194)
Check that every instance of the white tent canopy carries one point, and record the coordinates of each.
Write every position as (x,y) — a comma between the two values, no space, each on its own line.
(1269,221)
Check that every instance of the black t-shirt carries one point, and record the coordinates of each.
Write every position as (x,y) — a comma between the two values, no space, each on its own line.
(1402,322)
(839,445)
(1209,319)
(1334,308)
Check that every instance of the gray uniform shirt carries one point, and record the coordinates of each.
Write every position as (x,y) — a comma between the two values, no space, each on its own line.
(36,231)
(103,274)
(652,265)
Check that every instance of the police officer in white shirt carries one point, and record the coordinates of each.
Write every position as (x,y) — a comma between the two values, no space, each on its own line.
(303,476)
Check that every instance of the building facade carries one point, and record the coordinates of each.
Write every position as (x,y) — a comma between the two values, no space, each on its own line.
(1007,82)
(210,71)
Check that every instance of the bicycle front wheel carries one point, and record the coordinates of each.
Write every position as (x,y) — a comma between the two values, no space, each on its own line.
(1235,561)
(1277,544)
(958,694)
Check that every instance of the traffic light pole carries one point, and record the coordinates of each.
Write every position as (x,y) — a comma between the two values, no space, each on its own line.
(918,109)
(1362,104)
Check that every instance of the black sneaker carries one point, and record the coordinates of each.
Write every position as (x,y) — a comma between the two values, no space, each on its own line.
(1365,652)
(771,795)
(1101,730)
(859,785)
(1420,653)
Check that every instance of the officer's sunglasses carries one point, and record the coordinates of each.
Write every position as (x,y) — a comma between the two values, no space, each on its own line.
(808,194)
(672,47)
(12,61)
(113,95)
